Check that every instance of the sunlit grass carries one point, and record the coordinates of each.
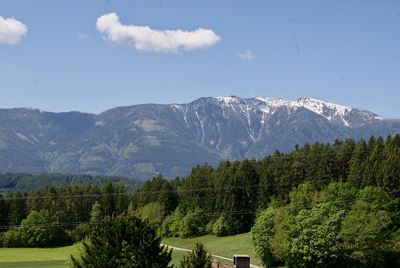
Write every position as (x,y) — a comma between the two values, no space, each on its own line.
(222,246)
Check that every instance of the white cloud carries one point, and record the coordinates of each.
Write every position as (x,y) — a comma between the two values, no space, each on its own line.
(11,31)
(247,55)
(83,35)
(160,41)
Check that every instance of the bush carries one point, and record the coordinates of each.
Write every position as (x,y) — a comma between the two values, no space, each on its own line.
(179,225)
(79,232)
(40,229)
(172,224)
(153,211)
(198,258)
(220,227)
(13,238)
(192,224)
(123,241)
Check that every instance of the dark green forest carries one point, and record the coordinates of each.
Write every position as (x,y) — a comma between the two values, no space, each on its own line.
(318,191)
(24,182)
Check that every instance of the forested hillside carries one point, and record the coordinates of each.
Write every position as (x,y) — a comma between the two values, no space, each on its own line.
(14,182)
(347,180)
(141,141)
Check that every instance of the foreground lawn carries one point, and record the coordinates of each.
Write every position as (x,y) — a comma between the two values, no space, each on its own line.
(34,264)
(222,246)
(50,257)
(36,254)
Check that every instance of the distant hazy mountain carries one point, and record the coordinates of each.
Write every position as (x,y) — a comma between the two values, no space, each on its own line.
(142,140)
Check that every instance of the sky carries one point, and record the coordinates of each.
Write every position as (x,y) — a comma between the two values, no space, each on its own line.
(94,55)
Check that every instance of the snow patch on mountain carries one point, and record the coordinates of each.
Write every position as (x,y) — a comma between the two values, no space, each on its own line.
(328,110)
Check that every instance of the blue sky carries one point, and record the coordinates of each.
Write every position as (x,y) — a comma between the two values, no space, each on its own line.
(343,51)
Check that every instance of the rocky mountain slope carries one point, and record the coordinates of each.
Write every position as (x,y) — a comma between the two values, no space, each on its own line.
(142,140)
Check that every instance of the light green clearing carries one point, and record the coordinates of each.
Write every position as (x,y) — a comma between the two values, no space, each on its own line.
(36,254)
(50,257)
(34,264)
(57,257)
(36,257)
(222,246)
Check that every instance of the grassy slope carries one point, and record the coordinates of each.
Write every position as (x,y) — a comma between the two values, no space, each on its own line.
(35,257)
(222,246)
(34,264)
(57,257)
(48,257)
(36,254)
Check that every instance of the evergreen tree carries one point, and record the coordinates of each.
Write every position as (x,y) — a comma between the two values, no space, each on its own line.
(123,241)
(198,258)
(18,209)
(96,213)
(121,198)
(357,163)
(3,211)
(107,200)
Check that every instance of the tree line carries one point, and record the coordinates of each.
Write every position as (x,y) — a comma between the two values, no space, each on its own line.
(223,201)
(337,226)
(57,215)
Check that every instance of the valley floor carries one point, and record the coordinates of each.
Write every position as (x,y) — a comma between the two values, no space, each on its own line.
(58,257)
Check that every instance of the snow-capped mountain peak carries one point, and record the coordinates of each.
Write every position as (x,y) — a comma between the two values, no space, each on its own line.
(331,111)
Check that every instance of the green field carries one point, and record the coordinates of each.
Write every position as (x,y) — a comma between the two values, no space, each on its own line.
(34,264)
(36,257)
(58,257)
(222,246)
(49,257)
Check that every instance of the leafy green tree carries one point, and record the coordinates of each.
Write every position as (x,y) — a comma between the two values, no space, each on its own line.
(220,227)
(263,233)
(13,238)
(339,194)
(41,229)
(368,227)
(160,190)
(123,241)
(171,226)
(193,224)
(316,241)
(198,258)
(152,211)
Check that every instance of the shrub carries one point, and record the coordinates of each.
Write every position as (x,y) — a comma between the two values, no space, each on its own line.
(192,224)
(220,227)
(123,241)
(13,238)
(198,258)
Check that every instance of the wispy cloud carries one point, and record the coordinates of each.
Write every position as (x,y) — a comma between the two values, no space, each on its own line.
(83,35)
(150,40)
(247,55)
(11,31)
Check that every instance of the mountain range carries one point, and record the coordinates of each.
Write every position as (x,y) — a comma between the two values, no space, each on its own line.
(140,141)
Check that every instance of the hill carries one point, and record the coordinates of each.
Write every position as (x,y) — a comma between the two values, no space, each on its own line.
(142,140)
